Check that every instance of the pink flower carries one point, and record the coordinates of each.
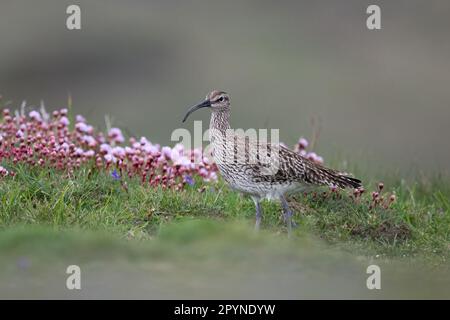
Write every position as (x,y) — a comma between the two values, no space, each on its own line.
(89,153)
(115,134)
(311,156)
(150,149)
(105,148)
(110,158)
(19,134)
(35,115)
(3,172)
(64,146)
(64,121)
(179,148)
(129,151)
(183,161)
(118,152)
(166,152)
(90,141)
(79,152)
(144,141)
(303,143)
(83,127)
(79,118)
(212,176)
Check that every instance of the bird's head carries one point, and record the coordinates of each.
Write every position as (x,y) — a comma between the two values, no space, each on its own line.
(216,100)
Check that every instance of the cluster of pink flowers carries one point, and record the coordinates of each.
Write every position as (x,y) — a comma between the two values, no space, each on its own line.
(301,148)
(378,198)
(49,140)
(46,140)
(381,200)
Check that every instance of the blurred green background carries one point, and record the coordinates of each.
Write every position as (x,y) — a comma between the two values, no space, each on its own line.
(382,96)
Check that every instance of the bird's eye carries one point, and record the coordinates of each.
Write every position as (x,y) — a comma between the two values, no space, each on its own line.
(221,99)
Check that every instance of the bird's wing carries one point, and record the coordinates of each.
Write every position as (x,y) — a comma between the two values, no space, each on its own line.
(314,173)
(277,164)
(283,165)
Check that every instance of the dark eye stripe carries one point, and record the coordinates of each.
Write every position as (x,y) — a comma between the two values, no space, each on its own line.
(220,99)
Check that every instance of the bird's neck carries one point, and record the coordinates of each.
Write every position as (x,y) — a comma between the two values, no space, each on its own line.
(220,120)
(219,131)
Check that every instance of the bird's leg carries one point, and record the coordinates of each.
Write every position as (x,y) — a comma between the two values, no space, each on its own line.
(258,213)
(287,213)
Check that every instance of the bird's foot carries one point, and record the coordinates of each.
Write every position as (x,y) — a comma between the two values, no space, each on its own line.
(287,215)
(258,214)
(293,223)
(257,224)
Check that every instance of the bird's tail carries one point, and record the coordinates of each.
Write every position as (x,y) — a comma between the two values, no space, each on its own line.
(345,181)
(339,179)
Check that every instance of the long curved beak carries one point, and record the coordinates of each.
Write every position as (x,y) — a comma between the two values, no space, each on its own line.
(203,104)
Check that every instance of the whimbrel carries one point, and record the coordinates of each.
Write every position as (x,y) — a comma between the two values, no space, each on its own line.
(261,169)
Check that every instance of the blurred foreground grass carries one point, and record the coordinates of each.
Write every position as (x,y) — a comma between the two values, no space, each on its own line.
(155,243)
(199,259)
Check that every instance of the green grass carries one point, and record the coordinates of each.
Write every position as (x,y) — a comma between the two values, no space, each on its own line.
(416,225)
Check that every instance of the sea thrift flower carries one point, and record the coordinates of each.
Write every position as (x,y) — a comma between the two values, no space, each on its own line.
(83,127)
(79,152)
(166,152)
(35,115)
(89,153)
(129,151)
(144,141)
(3,172)
(110,158)
(105,148)
(151,149)
(183,161)
(312,156)
(118,152)
(80,118)
(19,134)
(64,121)
(302,143)
(90,141)
(115,134)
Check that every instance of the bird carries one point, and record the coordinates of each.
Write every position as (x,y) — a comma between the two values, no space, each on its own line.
(260,169)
